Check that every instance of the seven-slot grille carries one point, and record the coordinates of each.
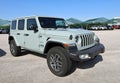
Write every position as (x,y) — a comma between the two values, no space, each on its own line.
(87,39)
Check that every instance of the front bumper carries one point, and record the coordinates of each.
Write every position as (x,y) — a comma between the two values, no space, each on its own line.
(90,52)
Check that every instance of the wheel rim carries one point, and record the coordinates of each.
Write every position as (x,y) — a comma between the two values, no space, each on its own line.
(56,62)
(12,49)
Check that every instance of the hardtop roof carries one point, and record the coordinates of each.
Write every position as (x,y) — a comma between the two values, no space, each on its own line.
(35,17)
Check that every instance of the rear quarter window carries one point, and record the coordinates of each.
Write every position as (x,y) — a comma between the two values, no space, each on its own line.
(13,26)
(21,24)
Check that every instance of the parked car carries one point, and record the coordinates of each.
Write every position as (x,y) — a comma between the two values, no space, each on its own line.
(116,26)
(51,37)
(101,28)
(109,28)
(0,31)
(4,31)
(94,28)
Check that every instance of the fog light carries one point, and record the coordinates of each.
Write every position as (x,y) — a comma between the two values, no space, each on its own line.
(84,56)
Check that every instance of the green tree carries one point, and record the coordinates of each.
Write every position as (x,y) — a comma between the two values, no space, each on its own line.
(1,27)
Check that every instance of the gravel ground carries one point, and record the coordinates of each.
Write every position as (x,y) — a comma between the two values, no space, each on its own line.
(32,67)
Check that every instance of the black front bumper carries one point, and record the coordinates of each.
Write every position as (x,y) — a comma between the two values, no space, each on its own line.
(92,52)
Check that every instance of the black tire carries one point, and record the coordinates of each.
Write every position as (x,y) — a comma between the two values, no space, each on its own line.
(58,61)
(15,50)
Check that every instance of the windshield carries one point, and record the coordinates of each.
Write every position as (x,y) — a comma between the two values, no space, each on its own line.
(52,22)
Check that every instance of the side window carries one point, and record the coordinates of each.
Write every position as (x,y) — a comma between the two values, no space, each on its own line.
(21,24)
(31,23)
(13,27)
(60,23)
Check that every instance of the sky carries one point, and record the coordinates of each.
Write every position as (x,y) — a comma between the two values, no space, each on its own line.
(79,9)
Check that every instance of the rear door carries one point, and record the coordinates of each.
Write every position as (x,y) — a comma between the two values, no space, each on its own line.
(18,33)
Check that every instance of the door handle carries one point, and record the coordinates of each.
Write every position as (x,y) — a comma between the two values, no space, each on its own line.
(26,34)
(40,36)
(18,33)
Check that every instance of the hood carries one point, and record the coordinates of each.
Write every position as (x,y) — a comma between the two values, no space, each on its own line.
(67,32)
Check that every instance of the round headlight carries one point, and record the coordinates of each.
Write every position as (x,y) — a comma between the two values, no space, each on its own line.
(76,39)
(71,37)
(97,40)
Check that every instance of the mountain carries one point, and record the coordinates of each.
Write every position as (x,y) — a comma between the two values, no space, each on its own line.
(101,20)
(73,21)
(114,20)
(4,22)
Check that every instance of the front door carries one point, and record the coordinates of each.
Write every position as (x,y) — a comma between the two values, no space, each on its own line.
(31,37)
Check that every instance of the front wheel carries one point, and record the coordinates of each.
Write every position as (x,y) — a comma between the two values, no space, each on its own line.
(14,49)
(58,61)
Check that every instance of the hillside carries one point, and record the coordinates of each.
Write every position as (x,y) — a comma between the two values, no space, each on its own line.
(114,20)
(73,21)
(100,20)
(4,22)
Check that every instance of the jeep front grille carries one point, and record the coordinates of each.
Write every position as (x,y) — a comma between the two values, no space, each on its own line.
(87,39)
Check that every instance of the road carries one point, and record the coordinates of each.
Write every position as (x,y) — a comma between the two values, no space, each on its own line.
(32,67)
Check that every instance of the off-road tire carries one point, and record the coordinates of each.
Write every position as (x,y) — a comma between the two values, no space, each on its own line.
(58,61)
(14,49)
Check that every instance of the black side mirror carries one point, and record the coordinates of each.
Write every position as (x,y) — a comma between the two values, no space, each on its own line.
(34,27)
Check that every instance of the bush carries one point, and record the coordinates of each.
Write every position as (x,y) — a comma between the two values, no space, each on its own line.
(1,27)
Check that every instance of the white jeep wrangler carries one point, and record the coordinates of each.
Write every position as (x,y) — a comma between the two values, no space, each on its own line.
(52,37)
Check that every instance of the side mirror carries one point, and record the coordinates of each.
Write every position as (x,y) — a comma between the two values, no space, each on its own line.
(34,27)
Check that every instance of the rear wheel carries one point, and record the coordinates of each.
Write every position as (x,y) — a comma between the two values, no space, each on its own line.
(15,50)
(58,61)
